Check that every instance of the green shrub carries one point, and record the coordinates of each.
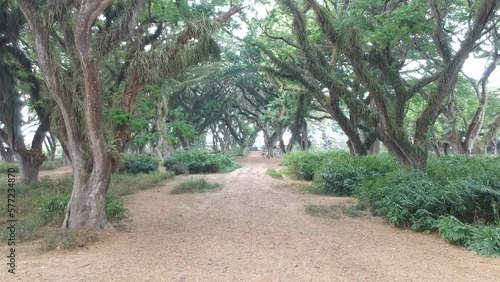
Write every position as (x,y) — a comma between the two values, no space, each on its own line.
(199,162)
(4,167)
(483,239)
(139,163)
(305,165)
(54,205)
(115,208)
(339,176)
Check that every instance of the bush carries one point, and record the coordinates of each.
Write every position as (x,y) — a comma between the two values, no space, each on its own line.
(139,163)
(483,239)
(54,205)
(339,176)
(305,165)
(199,162)
(115,208)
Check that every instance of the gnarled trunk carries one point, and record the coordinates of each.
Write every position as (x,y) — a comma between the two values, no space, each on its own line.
(29,165)
(87,205)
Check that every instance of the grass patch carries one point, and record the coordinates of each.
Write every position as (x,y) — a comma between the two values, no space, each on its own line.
(47,165)
(195,186)
(274,173)
(183,162)
(51,165)
(323,211)
(126,184)
(333,211)
(4,167)
(351,211)
(68,239)
(232,167)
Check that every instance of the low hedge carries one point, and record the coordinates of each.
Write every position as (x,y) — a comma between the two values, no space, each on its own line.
(183,162)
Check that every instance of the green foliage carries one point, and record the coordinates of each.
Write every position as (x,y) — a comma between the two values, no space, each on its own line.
(335,172)
(483,239)
(195,186)
(115,208)
(4,167)
(140,163)
(305,165)
(339,176)
(467,188)
(53,205)
(453,230)
(199,162)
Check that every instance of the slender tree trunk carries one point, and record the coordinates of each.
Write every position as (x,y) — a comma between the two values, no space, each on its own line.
(282,146)
(374,148)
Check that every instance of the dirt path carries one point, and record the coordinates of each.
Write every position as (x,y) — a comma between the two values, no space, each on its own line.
(253,231)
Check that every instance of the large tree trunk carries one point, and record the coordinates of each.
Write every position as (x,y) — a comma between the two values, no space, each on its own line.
(29,165)
(87,205)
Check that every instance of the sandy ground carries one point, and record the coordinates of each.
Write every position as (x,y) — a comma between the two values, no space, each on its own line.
(251,231)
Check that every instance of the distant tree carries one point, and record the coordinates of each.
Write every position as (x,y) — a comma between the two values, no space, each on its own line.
(20,88)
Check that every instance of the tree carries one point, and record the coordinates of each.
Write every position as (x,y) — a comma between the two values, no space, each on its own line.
(20,87)
(377,39)
(72,45)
